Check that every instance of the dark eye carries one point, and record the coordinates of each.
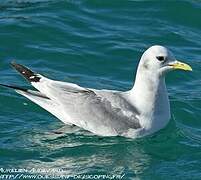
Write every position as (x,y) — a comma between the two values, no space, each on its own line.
(160,58)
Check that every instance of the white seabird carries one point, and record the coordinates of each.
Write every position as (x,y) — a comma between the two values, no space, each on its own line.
(135,113)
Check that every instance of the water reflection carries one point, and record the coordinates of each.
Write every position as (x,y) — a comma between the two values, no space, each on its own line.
(80,152)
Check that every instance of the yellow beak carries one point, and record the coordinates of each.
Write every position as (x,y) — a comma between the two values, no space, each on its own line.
(180,65)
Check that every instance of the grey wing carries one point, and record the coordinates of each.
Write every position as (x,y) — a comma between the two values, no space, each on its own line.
(88,110)
(81,106)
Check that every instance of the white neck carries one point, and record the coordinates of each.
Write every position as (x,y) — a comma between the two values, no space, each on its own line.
(149,96)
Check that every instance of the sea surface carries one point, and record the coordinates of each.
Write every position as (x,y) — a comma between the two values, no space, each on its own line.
(98,44)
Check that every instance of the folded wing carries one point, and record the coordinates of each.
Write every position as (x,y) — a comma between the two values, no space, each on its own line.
(81,106)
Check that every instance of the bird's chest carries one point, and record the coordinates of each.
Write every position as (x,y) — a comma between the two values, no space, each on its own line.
(157,112)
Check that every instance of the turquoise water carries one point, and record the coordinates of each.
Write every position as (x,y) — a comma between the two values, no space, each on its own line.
(98,44)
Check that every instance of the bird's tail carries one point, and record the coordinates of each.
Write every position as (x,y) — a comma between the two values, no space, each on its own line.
(40,99)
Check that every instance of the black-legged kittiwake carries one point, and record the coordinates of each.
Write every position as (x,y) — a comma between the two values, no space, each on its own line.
(135,113)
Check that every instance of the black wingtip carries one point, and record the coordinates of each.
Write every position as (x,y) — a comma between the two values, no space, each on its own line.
(13,87)
(14,64)
(25,72)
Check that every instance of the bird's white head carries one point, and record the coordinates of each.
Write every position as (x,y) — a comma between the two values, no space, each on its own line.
(149,93)
(160,60)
